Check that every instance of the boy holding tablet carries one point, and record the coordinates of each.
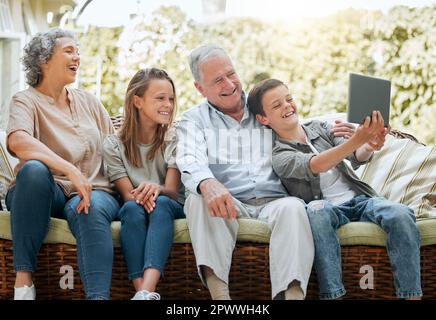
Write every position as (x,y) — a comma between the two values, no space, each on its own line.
(309,161)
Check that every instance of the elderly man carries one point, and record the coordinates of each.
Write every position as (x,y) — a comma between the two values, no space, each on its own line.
(224,155)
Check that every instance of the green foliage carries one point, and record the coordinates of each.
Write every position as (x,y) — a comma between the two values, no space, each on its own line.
(99,72)
(162,41)
(407,39)
(314,58)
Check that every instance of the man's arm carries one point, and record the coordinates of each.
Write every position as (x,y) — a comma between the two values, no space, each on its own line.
(193,163)
(191,154)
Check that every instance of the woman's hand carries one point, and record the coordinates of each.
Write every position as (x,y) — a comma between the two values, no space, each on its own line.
(83,187)
(146,195)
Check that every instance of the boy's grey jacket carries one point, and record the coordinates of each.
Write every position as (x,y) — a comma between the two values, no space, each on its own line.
(290,161)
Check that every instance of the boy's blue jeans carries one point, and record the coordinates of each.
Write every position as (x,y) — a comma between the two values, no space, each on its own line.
(34,199)
(403,247)
(146,238)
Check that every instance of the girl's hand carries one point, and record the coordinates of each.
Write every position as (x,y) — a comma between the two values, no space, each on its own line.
(146,195)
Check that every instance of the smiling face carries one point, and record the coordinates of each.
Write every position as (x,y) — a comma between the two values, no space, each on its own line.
(279,108)
(220,84)
(64,62)
(157,103)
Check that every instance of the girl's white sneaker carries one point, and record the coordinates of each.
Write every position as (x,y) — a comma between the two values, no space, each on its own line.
(146,295)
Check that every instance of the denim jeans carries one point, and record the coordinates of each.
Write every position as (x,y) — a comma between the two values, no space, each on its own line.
(35,198)
(32,201)
(146,239)
(403,246)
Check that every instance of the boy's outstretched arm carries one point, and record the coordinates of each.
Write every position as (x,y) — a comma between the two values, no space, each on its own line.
(361,140)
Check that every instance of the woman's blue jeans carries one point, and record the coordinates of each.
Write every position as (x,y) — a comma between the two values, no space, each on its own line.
(146,239)
(34,199)
(403,247)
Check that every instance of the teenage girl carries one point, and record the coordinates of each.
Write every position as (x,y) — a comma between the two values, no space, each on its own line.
(140,164)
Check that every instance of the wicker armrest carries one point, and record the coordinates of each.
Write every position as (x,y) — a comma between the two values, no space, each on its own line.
(117,121)
(403,135)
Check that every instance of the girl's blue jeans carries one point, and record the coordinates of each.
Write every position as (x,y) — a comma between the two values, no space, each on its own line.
(146,238)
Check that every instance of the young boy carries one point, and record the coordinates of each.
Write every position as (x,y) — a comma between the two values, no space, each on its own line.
(308,159)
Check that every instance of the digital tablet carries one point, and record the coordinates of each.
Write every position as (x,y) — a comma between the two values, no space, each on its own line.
(367,94)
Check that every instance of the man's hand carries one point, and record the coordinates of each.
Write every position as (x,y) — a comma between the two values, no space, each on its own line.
(343,129)
(83,187)
(218,198)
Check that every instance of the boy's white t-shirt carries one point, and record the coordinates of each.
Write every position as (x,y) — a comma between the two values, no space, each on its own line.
(334,187)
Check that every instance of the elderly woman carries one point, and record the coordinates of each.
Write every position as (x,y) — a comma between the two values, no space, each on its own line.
(56,132)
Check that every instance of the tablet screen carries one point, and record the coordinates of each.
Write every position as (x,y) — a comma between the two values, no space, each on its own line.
(367,94)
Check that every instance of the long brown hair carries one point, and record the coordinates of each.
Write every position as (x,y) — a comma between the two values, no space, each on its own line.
(128,133)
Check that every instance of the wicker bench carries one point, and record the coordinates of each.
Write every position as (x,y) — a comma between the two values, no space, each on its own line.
(362,244)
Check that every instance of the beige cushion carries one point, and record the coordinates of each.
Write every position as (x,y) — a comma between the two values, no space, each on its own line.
(354,233)
(59,232)
(367,233)
(404,171)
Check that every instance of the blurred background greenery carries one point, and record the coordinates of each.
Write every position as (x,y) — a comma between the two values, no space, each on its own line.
(314,58)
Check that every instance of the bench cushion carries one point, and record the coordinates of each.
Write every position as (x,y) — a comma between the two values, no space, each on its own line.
(404,171)
(250,230)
